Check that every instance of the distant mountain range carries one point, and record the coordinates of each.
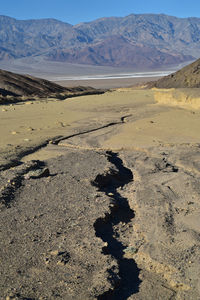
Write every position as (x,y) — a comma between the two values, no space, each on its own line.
(142,41)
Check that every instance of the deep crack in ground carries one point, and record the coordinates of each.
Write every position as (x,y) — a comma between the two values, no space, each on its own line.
(104,227)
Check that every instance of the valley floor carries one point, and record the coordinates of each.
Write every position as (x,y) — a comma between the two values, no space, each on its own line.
(100,198)
(107,83)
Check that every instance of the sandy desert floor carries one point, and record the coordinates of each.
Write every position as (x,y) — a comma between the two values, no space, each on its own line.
(100,198)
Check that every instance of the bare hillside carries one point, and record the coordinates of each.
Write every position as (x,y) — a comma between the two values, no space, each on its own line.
(187,77)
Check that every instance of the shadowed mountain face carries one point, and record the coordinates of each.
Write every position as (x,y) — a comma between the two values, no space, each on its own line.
(187,77)
(136,40)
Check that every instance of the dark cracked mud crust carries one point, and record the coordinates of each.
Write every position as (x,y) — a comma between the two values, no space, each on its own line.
(102,225)
(53,245)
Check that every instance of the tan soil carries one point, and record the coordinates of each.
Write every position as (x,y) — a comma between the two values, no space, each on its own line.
(186,98)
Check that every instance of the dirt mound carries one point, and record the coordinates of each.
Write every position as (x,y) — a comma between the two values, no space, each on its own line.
(187,77)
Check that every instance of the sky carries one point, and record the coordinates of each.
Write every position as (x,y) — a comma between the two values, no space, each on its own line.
(76,11)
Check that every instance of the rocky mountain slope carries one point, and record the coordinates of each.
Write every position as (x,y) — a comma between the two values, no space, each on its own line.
(116,41)
(19,85)
(118,51)
(187,77)
(16,87)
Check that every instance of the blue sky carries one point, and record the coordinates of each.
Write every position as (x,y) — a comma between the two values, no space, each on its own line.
(76,11)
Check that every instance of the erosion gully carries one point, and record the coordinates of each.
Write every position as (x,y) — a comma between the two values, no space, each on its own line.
(110,184)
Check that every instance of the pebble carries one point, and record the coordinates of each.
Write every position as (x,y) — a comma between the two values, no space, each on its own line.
(30,129)
(37,173)
(131,250)
(110,194)
(60,123)
(54,252)
(60,263)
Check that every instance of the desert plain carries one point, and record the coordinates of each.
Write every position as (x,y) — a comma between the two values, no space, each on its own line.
(100,197)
